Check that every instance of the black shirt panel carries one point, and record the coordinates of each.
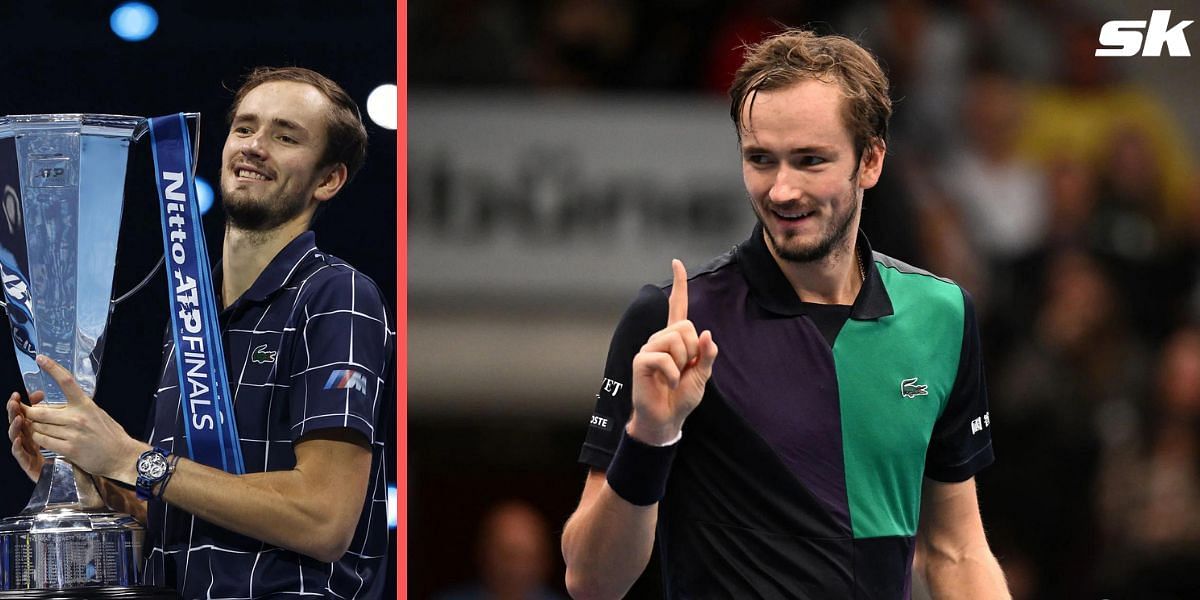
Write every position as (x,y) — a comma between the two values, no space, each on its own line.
(876,560)
(953,456)
(614,404)
(726,535)
(829,318)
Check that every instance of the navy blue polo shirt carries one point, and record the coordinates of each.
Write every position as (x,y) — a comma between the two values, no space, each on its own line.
(306,348)
(800,472)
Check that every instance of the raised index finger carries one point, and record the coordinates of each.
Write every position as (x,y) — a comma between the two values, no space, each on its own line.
(677,304)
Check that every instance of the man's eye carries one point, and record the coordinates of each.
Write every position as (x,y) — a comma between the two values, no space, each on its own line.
(241,130)
(810,161)
(758,159)
(287,139)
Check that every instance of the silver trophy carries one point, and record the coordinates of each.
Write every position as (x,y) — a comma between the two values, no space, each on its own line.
(63,180)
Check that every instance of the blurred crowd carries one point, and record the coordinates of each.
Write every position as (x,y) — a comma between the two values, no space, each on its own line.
(513,557)
(1062,195)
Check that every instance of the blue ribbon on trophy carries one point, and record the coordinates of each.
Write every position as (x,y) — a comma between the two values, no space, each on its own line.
(207,402)
(14,264)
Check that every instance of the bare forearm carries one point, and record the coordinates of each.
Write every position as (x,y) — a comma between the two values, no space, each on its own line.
(274,507)
(278,507)
(121,499)
(973,574)
(951,545)
(606,546)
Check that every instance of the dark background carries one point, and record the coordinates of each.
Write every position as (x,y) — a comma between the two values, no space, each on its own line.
(61,56)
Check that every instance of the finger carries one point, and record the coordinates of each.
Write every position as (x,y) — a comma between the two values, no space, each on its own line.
(20,452)
(47,442)
(677,304)
(700,370)
(671,342)
(14,427)
(657,364)
(21,445)
(58,432)
(62,377)
(31,447)
(36,397)
(54,414)
(708,354)
(13,406)
(687,332)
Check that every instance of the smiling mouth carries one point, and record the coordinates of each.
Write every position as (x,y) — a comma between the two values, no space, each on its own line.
(793,216)
(248,174)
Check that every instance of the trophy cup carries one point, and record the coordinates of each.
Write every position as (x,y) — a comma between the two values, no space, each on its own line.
(63,180)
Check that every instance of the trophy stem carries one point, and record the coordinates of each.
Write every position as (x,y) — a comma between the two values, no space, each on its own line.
(63,486)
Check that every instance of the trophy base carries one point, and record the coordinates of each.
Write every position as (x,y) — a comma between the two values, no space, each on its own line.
(61,549)
(94,593)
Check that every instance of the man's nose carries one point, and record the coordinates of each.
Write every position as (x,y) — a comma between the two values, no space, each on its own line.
(254,145)
(786,187)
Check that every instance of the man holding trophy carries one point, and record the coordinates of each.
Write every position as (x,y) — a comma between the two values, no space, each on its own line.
(307,342)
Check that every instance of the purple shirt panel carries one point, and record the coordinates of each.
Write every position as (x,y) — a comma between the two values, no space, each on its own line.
(778,373)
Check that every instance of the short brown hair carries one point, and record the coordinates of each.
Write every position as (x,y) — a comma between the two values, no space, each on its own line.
(347,140)
(796,55)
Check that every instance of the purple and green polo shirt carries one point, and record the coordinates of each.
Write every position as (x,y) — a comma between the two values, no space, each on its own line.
(800,473)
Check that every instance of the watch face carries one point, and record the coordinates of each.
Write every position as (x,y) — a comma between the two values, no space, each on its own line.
(152,465)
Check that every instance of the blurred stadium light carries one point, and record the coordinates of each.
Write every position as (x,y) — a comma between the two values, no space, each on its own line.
(391,506)
(204,195)
(134,21)
(381,106)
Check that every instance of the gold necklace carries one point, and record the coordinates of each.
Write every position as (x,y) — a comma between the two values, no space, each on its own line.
(862,272)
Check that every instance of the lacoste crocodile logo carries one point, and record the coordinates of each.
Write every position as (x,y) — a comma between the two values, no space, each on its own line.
(262,355)
(910,389)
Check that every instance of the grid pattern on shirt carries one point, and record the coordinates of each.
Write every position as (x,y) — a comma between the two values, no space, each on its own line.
(306,348)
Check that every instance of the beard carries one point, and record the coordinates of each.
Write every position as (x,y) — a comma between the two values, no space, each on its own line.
(830,237)
(267,213)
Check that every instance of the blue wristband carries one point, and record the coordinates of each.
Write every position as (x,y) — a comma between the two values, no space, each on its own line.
(638,471)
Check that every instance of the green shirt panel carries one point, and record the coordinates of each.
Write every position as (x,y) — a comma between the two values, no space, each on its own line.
(885,433)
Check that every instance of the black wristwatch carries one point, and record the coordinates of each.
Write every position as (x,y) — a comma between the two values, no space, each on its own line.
(152,468)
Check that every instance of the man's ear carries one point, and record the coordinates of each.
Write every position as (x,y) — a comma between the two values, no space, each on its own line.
(335,177)
(870,166)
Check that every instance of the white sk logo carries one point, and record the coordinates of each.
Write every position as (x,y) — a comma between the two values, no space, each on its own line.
(1124,38)
(910,389)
